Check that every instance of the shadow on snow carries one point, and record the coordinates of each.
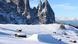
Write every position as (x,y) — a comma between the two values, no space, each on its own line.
(49,39)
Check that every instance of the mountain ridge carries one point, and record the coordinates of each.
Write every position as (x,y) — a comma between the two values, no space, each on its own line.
(19,9)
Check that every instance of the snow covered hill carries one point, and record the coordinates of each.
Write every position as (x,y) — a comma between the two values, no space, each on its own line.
(39,34)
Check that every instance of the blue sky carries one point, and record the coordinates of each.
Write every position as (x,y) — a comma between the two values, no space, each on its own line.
(62,8)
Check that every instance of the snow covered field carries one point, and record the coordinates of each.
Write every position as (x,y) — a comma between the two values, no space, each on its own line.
(39,34)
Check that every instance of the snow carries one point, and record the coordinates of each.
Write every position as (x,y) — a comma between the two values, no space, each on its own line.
(38,34)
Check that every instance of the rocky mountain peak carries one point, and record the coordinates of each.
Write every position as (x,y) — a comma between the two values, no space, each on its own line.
(48,12)
(20,9)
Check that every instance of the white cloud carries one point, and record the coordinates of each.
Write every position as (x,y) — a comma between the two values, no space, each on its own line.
(66,18)
(65,6)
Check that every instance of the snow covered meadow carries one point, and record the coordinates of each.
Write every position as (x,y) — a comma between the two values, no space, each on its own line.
(39,34)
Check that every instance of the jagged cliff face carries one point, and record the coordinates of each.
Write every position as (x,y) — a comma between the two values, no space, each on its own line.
(21,6)
(27,8)
(47,15)
(19,12)
(2,0)
(50,16)
(9,14)
(39,12)
(19,3)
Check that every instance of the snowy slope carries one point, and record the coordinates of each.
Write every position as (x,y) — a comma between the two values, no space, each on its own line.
(39,34)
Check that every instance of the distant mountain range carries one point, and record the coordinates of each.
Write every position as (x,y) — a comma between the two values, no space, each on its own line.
(68,21)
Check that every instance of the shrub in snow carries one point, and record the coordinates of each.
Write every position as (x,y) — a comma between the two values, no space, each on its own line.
(59,39)
(74,41)
(19,30)
(20,33)
(23,36)
(54,32)
(62,26)
(65,33)
(67,37)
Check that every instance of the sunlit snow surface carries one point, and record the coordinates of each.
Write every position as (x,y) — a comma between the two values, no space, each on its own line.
(38,34)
